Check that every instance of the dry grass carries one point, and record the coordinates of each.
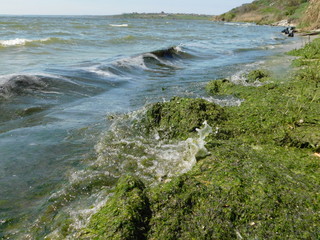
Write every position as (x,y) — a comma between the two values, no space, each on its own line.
(311,18)
(249,17)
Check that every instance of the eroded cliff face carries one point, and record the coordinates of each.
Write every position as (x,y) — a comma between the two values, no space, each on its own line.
(311,18)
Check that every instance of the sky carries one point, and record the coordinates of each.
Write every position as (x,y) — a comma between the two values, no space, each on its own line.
(111,7)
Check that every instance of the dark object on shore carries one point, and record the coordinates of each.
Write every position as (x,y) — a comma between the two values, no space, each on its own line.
(289,31)
(285,31)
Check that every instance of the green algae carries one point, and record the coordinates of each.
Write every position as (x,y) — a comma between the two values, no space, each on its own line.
(180,117)
(260,75)
(220,87)
(240,191)
(261,180)
(125,216)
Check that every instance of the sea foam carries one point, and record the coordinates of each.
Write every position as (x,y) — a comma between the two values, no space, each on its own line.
(23,41)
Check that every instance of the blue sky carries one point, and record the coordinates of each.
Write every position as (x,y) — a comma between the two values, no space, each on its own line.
(109,7)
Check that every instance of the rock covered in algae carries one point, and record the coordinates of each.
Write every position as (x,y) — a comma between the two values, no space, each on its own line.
(180,117)
(220,87)
(260,75)
(125,216)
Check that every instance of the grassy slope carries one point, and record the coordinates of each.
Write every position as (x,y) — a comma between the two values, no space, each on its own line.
(267,11)
(311,19)
(260,182)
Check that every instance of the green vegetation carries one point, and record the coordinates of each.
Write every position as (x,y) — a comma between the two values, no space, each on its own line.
(310,61)
(261,180)
(125,216)
(163,15)
(267,11)
(181,116)
(258,75)
(311,52)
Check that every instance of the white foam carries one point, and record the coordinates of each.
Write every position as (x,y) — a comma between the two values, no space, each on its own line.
(100,72)
(178,48)
(240,76)
(154,158)
(20,42)
(169,159)
(119,25)
(130,62)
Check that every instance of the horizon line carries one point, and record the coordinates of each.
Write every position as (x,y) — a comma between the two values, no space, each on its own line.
(117,14)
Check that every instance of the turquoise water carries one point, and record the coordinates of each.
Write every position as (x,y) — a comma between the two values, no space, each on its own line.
(70,88)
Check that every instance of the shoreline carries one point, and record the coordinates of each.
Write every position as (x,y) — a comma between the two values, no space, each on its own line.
(210,197)
(259,180)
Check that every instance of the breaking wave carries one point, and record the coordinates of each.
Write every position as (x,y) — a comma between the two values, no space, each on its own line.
(30,42)
(123,149)
(119,25)
(158,60)
(18,84)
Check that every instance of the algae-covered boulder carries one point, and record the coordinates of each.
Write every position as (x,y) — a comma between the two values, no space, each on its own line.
(181,116)
(219,87)
(260,75)
(125,216)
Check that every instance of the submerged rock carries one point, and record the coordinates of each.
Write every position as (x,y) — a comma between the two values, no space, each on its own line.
(182,116)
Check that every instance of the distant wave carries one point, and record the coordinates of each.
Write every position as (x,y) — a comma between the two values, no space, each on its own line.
(125,39)
(26,42)
(172,53)
(119,25)
(93,79)
(164,58)
(158,60)
(74,83)
(239,24)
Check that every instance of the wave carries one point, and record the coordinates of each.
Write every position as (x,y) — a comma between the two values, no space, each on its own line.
(125,39)
(240,24)
(77,84)
(118,25)
(18,84)
(172,53)
(93,79)
(154,61)
(123,149)
(167,58)
(240,50)
(30,42)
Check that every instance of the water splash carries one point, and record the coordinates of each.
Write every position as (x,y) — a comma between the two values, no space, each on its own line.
(120,151)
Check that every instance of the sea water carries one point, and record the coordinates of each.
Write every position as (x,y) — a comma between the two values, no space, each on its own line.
(71,90)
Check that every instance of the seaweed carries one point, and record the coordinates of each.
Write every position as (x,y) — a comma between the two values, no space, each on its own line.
(261,180)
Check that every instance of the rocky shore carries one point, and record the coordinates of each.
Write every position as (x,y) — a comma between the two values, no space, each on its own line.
(261,178)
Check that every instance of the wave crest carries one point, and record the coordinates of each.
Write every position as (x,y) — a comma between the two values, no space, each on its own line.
(17,84)
(26,42)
